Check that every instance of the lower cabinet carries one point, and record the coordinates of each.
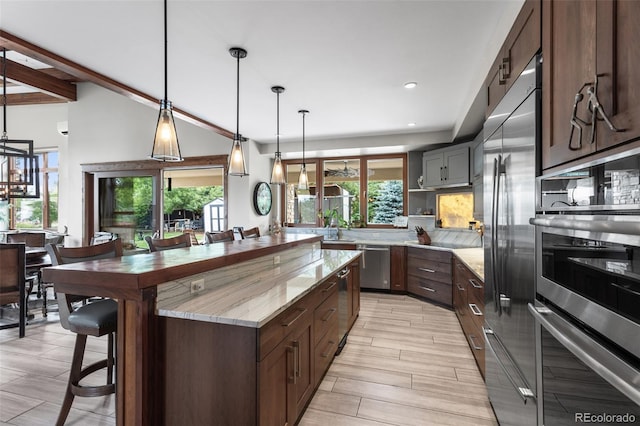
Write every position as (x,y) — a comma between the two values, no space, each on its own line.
(398,268)
(225,374)
(429,274)
(468,303)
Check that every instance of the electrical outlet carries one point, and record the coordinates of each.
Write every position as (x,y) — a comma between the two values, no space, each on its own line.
(197,285)
(276,260)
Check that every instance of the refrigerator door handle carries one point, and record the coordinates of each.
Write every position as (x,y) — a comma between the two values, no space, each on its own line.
(524,392)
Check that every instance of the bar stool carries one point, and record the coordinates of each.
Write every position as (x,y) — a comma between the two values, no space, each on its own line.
(97,318)
(158,244)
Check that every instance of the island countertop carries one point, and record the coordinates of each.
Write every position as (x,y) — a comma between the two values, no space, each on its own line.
(253,300)
(132,273)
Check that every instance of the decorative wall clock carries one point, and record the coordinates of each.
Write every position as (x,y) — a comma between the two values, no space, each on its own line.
(262,198)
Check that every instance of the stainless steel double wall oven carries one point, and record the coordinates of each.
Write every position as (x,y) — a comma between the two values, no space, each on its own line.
(587,306)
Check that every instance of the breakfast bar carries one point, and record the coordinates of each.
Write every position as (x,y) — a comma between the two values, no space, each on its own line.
(256,283)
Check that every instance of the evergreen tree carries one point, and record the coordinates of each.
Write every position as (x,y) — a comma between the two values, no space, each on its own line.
(388,204)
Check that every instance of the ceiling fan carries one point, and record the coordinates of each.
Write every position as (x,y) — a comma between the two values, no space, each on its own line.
(345,172)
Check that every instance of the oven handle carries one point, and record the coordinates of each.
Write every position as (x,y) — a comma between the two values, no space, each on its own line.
(610,367)
(613,227)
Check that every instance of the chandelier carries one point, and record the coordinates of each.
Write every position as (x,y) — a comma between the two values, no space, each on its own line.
(19,166)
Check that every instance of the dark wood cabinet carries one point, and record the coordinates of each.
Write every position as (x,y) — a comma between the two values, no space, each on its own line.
(429,274)
(398,268)
(522,42)
(353,292)
(468,303)
(585,42)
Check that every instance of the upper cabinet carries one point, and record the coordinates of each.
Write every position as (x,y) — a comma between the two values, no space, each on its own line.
(446,168)
(591,83)
(522,42)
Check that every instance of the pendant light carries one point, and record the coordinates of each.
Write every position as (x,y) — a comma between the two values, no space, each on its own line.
(277,175)
(303,180)
(165,143)
(237,165)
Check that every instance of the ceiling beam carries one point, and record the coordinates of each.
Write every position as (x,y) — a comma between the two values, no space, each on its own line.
(35,98)
(11,42)
(33,78)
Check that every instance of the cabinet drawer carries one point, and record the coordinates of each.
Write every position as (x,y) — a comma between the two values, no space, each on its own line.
(433,290)
(325,317)
(429,269)
(429,254)
(292,319)
(325,351)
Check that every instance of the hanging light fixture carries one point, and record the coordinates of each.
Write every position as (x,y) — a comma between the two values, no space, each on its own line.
(237,165)
(19,165)
(303,180)
(165,143)
(277,175)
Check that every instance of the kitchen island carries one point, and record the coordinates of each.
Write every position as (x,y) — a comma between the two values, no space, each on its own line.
(138,282)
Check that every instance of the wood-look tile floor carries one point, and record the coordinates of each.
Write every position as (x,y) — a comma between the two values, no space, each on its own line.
(406,363)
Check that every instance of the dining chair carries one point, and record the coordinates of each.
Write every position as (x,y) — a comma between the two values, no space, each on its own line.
(219,237)
(96,318)
(13,282)
(158,244)
(250,233)
(30,239)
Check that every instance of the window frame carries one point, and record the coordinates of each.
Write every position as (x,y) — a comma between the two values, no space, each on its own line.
(94,171)
(319,163)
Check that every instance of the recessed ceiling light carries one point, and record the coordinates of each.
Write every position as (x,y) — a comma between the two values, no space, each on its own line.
(411,124)
(410,85)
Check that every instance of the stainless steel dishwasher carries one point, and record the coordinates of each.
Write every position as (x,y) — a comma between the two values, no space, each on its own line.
(375,266)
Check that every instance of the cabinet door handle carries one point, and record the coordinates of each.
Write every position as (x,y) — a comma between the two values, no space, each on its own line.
(473,343)
(296,360)
(501,79)
(292,350)
(459,288)
(328,352)
(440,173)
(427,288)
(474,308)
(344,273)
(506,68)
(446,173)
(300,313)
(333,284)
(329,314)
(474,283)
(426,270)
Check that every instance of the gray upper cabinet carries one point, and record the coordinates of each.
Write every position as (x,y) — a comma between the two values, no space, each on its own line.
(446,168)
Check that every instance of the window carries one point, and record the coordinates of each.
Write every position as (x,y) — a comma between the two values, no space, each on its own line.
(385,190)
(300,206)
(40,213)
(348,195)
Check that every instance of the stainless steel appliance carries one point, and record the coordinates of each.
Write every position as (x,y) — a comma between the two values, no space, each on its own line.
(588,290)
(510,168)
(343,308)
(375,268)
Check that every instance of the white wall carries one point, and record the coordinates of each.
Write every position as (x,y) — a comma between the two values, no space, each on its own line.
(38,123)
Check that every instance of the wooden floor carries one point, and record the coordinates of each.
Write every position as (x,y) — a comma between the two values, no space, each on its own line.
(406,363)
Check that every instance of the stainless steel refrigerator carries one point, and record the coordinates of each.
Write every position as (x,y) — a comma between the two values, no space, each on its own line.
(510,167)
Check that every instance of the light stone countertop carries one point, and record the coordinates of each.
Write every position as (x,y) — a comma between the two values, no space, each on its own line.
(473,258)
(252,300)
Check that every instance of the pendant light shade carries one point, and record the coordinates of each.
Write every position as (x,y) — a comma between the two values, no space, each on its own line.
(303,179)
(165,142)
(237,164)
(277,175)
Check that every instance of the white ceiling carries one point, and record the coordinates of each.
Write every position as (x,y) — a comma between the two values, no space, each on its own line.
(345,61)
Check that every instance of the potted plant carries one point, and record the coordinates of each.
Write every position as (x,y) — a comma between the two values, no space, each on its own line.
(356,220)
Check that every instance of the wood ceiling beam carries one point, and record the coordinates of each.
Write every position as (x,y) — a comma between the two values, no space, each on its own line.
(38,80)
(35,98)
(11,42)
